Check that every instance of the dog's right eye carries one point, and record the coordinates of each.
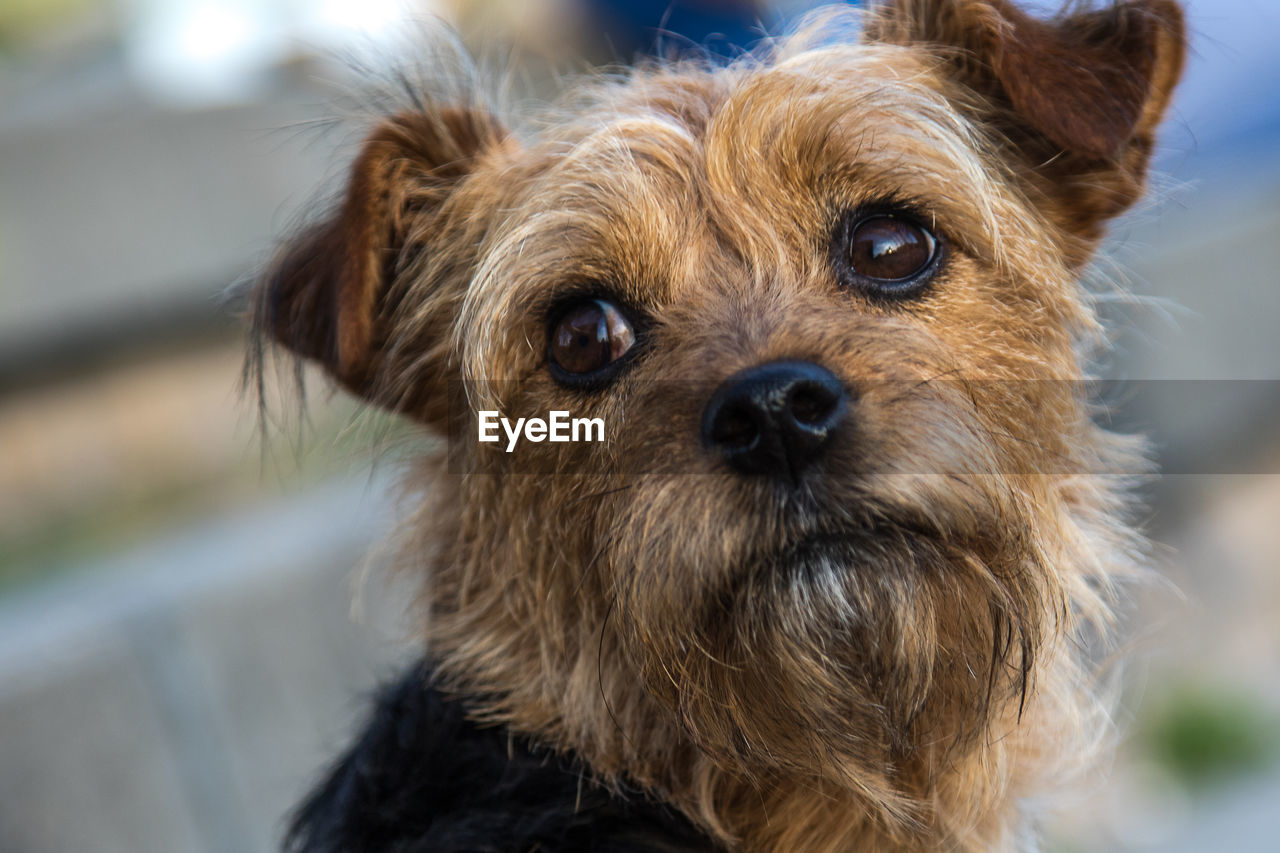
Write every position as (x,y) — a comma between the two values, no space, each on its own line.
(589,337)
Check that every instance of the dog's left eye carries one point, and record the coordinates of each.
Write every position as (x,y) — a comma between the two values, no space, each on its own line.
(590,336)
(886,254)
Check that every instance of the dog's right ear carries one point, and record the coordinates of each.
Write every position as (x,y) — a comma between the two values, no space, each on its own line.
(328,296)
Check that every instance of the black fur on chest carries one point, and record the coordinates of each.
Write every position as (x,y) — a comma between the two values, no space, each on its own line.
(421,777)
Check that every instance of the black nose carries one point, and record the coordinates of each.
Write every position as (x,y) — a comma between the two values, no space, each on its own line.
(775,419)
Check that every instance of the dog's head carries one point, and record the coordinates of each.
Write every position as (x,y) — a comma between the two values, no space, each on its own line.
(826,305)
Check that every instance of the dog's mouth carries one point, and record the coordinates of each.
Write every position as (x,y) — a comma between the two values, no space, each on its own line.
(823,547)
(829,552)
(880,538)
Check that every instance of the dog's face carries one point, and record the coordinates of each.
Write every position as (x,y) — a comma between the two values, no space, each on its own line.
(838,560)
(827,310)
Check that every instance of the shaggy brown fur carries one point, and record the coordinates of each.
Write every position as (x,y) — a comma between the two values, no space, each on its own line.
(889,654)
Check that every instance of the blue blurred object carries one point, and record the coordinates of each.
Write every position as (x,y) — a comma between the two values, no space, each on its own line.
(634,28)
(654,27)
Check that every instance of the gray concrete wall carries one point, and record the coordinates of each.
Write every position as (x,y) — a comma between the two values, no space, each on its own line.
(182,697)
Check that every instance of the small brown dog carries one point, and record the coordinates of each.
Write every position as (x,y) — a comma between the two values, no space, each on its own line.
(829,581)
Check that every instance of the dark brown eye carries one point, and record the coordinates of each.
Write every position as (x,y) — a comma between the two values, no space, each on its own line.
(888,255)
(589,337)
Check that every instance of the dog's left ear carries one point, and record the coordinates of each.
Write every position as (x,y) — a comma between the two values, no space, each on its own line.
(1079,97)
(329,295)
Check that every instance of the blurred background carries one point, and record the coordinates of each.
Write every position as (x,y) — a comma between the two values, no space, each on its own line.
(184,633)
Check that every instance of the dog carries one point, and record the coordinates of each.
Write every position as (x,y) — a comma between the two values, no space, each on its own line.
(835,575)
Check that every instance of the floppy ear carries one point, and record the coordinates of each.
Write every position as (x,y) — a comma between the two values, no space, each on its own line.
(1078,97)
(329,295)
